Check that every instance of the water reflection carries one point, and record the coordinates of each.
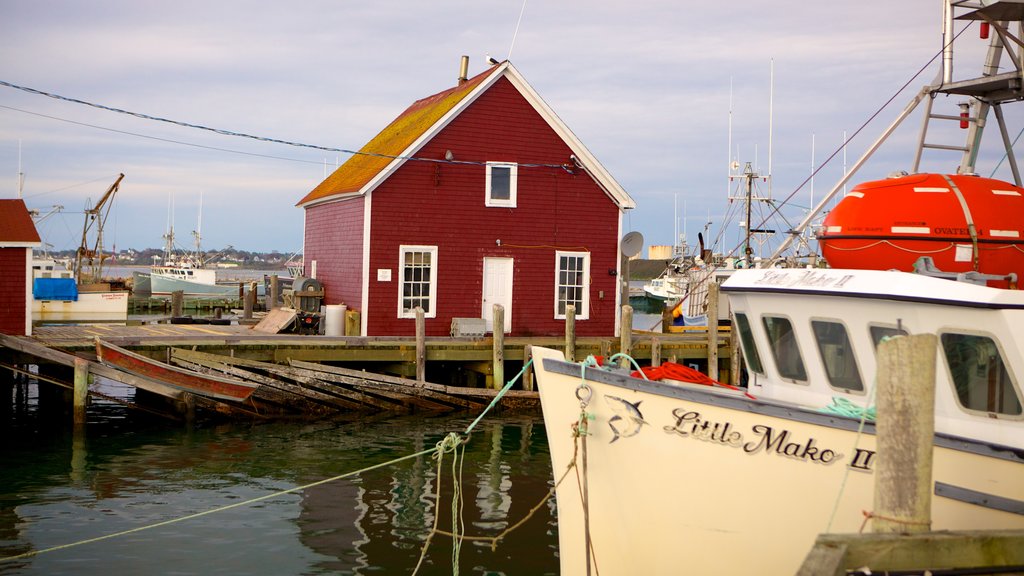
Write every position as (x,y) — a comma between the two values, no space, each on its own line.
(58,487)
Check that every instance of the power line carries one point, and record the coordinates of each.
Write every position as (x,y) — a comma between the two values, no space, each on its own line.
(168,140)
(251,136)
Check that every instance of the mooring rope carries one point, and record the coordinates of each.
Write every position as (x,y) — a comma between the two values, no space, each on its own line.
(219,509)
(449,444)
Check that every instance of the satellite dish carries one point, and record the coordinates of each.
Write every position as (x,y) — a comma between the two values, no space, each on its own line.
(632,243)
(735,165)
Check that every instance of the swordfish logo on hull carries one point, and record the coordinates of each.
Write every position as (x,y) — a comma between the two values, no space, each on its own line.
(627,420)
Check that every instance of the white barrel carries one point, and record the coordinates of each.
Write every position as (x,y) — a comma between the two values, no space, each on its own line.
(334,320)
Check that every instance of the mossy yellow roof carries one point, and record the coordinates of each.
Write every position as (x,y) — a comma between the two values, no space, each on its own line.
(392,141)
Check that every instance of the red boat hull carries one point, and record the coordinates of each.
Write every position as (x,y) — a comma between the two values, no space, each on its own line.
(889,224)
(217,387)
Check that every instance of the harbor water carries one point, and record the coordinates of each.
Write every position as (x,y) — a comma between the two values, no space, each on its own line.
(131,477)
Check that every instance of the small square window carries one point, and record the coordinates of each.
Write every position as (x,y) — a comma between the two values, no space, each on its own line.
(501,184)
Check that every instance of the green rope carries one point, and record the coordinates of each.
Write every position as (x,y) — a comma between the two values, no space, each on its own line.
(631,361)
(846,407)
(864,415)
(214,510)
(449,444)
(498,396)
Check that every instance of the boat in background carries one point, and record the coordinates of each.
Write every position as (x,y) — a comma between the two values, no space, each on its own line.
(187,271)
(79,294)
(209,385)
(675,477)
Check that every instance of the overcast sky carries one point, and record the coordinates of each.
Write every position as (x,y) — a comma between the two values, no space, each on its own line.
(645,85)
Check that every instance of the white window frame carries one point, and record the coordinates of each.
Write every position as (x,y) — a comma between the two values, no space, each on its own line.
(513,177)
(432,298)
(583,314)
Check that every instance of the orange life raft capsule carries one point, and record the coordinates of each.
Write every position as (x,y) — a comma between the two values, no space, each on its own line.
(965,223)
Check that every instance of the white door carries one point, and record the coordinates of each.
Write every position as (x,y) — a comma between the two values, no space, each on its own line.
(497,290)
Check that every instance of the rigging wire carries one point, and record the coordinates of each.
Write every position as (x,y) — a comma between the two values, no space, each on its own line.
(857,131)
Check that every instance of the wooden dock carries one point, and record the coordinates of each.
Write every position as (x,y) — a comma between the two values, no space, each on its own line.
(303,375)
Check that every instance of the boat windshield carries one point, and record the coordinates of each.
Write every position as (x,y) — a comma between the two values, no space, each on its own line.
(979,374)
(837,355)
(784,348)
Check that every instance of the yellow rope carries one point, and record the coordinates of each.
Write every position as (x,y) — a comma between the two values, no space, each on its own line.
(214,510)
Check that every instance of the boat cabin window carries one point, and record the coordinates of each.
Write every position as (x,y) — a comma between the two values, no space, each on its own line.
(879,333)
(747,342)
(784,348)
(979,374)
(837,355)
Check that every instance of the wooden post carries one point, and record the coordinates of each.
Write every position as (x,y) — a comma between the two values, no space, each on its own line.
(81,394)
(527,372)
(626,334)
(352,323)
(275,292)
(712,313)
(570,332)
(499,346)
(905,400)
(666,318)
(655,351)
(253,293)
(421,346)
(177,302)
(247,305)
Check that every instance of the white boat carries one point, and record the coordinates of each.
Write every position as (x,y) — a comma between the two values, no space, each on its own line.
(683,478)
(192,280)
(57,297)
(60,294)
(187,272)
(686,477)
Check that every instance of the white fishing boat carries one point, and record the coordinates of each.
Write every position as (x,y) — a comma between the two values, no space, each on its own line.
(186,271)
(672,477)
(60,294)
(57,297)
(683,477)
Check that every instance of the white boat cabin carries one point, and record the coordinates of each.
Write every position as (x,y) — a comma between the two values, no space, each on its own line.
(809,335)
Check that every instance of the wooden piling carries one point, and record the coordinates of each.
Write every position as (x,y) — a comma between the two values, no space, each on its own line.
(570,332)
(626,334)
(655,351)
(499,347)
(421,346)
(528,368)
(81,389)
(905,400)
(275,292)
(712,314)
(248,302)
(352,323)
(735,361)
(666,318)
(177,303)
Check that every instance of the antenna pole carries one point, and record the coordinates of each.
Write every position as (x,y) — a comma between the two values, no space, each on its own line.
(771,119)
(795,232)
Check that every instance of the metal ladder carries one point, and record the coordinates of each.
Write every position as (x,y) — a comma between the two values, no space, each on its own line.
(985,93)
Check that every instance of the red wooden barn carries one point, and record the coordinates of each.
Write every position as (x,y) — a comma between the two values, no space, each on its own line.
(17,238)
(473,196)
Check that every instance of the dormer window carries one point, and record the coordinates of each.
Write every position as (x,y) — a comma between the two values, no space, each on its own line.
(501,184)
